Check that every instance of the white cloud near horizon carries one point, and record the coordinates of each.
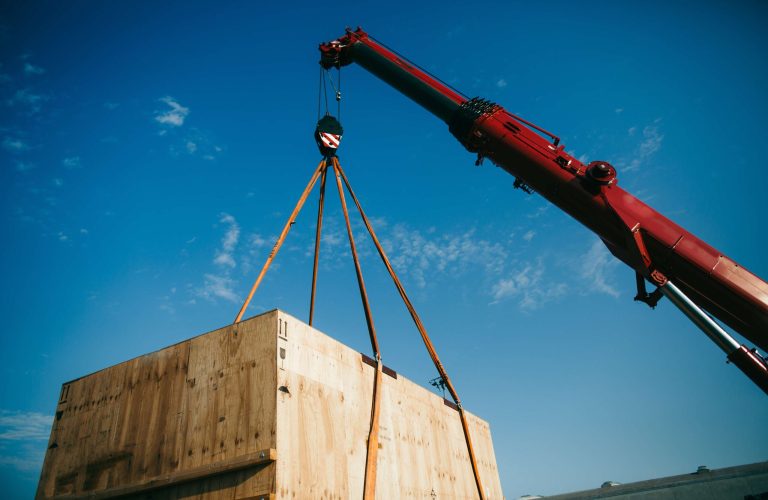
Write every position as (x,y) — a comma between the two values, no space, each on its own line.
(23,426)
(175,116)
(23,437)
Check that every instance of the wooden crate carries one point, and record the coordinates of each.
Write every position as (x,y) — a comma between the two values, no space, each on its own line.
(270,408)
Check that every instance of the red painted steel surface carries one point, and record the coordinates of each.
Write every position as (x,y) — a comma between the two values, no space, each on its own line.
(359,36)
(710,279)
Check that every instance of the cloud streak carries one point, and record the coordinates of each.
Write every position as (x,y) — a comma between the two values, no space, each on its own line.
(220,284)
(649,146)
(71,162)
(24,426)
(31,70)
(23,436)
(224,255)
(528,286)
(419,255)
(25,98)
(14,145)
(424,258)
(596,265)
(175,116)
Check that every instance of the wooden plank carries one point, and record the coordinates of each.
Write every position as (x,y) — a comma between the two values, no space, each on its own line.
(324,416)
(205,471)
(210,399)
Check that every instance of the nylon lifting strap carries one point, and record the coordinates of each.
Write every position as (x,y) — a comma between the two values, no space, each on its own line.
(281,238)
(371,458)
(317,245)
(422,331)
(369,486)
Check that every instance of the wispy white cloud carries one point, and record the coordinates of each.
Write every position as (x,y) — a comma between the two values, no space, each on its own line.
(166,302)
(540,211)
(253,252)
(25,458)
(501,83)
(651,141)
(255,241)
(650,145)
(193,142)
(421,257)
(334,242)
(528,285)
(22,439)
(30,69)
(224,255)
(71,162)
(528,236)
(421,254)
(24,426)
(25,98)
(197,142)
(596,266)
(14,144)
(175,116)
(218,286)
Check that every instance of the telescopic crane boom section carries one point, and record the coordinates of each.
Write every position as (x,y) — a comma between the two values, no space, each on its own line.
(659,250)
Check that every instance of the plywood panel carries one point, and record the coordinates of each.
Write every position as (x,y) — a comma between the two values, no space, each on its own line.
(323,420)
(323,414)
(188,407)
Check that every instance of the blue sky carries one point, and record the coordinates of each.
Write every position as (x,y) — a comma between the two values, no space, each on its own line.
(149,156)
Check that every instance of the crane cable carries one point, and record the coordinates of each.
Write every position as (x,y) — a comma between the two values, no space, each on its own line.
(326,78)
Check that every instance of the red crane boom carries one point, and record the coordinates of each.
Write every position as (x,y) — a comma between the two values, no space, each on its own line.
(681,265)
